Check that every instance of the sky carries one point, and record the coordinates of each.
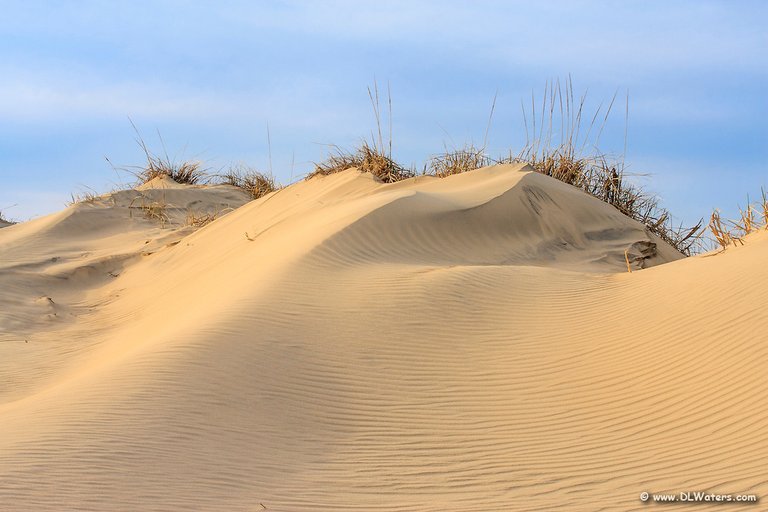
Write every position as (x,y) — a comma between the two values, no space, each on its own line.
(213,79)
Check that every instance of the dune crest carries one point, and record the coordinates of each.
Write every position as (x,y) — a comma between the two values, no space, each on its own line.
(471,343)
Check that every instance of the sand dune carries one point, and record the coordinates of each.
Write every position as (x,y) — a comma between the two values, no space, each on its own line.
(473,343)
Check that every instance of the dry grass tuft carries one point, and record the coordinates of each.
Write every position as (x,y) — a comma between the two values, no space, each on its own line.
(198,219)
(764,207)
(189,172)
(462,160)
(562,154)
(731,232)
(369,157)
(153,210)
(747,222)
(89,196)
(5,220)
(257,184)
(457,161)
(720,230)
(366,158)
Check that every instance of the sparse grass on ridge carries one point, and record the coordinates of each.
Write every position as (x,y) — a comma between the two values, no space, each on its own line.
(753,217)
(4,220)
(561,145)
(152,209)
(88,196)
(457,161)
(256,183)
(189,172)
(198,220)
(468,158)
(574,158)
(368,157)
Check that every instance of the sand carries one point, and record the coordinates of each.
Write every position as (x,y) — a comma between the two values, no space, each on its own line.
(473,343)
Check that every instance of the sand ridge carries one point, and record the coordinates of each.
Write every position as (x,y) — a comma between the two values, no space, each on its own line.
(471,343)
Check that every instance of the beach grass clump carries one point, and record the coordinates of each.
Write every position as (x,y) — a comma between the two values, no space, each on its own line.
(468,158)
(188,172)
(753,217)
(88,196)
(723,234)
(256,183)
(366,158)
(558,144)
(457,161)
(199,219)
(156,210)
(4,220)
(373,157)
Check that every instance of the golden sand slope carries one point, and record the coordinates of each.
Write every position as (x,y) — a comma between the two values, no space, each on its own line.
(470,344)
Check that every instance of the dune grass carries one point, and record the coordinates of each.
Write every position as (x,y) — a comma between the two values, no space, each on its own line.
(4,220)
(457,161)
(560,143)
(753,217)
(571,155)
(199,219)
(256,183)
(374,157)
(87,196)
(189,172)
(366,158)
(151,209)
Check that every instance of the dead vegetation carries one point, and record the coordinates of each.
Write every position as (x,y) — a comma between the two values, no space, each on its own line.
(561,142)
(256,183)
(753,217)
(151,209)
(4,220)
(189,172)
(374,157)
(571,155)
(87,196)
(199,219)
(457,161)
(366,158)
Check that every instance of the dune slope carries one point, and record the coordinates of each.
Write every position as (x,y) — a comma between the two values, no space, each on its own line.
(472,343)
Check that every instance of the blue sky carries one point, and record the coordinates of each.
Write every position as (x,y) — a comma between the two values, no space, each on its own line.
(211,77)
